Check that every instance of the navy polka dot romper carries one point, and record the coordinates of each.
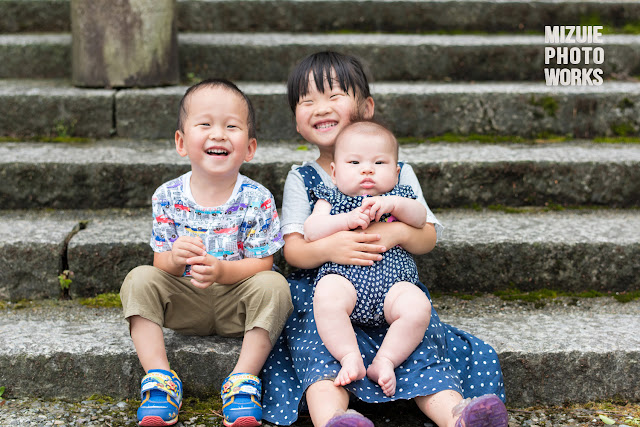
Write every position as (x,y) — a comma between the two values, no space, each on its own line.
(372,283)
(446,359)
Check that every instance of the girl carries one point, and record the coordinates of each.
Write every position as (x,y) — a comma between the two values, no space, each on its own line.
(365,171)
(326,92)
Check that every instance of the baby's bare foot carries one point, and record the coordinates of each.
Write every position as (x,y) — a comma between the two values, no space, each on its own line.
(382,371)
(352,369)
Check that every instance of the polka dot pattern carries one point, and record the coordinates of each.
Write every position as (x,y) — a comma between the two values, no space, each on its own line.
(372,283)
(446,359)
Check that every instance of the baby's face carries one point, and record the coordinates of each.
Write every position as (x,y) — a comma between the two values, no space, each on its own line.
(365,164)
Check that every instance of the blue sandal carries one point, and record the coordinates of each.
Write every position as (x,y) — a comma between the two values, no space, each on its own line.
(161,396)
(241,394)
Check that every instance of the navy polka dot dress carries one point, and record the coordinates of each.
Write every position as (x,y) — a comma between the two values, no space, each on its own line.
(372,283)
(446,359)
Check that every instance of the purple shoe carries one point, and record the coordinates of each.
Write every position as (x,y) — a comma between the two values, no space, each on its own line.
(483,411)
(350,418)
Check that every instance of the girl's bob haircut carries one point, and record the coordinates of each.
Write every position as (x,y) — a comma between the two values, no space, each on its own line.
(349,72)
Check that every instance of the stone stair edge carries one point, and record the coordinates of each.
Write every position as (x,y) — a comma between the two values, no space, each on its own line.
(480,252)
(84,351)
(302,15)
(413,109)
(426,57)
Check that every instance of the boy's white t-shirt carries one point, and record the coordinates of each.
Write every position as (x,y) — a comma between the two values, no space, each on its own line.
(245,226)
(295,203)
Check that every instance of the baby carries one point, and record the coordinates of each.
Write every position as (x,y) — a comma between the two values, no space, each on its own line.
(365,171)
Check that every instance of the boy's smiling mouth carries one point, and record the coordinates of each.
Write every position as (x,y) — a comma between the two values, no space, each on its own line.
(217,152)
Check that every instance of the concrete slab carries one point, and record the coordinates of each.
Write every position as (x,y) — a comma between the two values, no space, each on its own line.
(31,253)
(124,173)
(480,252)
(551,355)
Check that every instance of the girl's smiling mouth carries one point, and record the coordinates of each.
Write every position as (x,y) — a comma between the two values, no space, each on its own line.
(325,125)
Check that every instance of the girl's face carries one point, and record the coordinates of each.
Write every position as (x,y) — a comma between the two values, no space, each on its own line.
(321,115)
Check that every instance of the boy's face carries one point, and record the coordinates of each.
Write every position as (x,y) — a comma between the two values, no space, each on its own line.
(216,133)
(321,115)
(365,164)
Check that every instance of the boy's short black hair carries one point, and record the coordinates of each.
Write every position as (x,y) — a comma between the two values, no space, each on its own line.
(349,71)
(213,83)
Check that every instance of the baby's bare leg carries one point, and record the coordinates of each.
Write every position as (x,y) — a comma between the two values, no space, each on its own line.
(408,310)
(333,301)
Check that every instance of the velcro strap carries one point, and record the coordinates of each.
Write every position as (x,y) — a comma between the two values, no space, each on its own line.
(241,384)
(158,381)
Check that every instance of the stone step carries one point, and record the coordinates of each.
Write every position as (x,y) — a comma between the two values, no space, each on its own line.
(482,251)
(125,173)
(416,109)
(568,351)
(350,15)
(391,57)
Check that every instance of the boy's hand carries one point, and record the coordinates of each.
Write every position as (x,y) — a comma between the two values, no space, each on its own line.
(205,270)
(186,247)
(378,206)
(357,218)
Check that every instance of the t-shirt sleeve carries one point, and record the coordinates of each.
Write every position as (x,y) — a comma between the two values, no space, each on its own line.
(295,204)
(164,231)
(265,238)
(408,177)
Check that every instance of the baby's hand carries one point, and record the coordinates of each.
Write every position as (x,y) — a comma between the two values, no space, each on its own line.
(205,270)
(186,247)
(357,218)
(378,206)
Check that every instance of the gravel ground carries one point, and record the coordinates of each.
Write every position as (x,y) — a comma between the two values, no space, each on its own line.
(104,411)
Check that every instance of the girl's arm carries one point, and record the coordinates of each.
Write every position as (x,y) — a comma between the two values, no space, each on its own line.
(343,247)
(322,224)
(417,241)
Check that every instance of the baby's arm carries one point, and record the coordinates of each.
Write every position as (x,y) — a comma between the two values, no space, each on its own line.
(406,210)
(322,224)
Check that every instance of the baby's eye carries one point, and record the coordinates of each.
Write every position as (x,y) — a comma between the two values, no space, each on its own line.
(380,162)
(354,162)
(204,124)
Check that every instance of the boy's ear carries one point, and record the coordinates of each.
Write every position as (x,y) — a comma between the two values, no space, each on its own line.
(251,150)
(369,108)
(332,166)
(180,148)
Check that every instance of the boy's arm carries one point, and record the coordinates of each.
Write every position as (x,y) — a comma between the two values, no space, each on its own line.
(207,269)
(322,224)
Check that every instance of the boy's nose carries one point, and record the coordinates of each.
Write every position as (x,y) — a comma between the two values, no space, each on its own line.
(217,134)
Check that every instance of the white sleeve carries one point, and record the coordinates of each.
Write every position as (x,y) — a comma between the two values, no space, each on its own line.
(295,204)
(408,177)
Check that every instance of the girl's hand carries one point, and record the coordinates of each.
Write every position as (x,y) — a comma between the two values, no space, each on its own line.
(357,218)
(354,248)
(186,247)
(379,205)
(205,270)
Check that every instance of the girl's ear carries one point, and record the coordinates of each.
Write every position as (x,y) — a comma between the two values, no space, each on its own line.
(368,108)
(333,172)
(180,148)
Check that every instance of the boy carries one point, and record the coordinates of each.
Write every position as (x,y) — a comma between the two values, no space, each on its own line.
(214,235)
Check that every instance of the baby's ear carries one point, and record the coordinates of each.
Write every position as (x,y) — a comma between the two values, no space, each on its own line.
(180,148)
(332,166)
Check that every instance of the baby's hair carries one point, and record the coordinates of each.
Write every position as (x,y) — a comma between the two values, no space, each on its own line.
(214,83)
(368,127)
(349,72)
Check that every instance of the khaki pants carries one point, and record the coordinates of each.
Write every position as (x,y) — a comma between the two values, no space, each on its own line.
(260,301)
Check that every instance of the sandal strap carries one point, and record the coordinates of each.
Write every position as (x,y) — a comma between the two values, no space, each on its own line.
(236,384)
(162,382)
